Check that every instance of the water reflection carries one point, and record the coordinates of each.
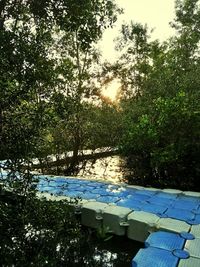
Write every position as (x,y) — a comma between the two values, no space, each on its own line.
(109,169)
(116,252)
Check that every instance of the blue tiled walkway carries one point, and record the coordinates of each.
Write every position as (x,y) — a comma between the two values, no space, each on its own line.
(162,248)
(163,204)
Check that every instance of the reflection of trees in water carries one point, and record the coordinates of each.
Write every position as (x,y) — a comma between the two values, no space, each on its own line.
(116,252)
(108,168)
(49,234)
(111,168)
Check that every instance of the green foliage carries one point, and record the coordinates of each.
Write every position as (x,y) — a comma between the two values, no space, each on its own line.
(103,127)
(46,48)
(104,233)
(99,125)
(132,66)
(161,116)
(46,53)
(164,144)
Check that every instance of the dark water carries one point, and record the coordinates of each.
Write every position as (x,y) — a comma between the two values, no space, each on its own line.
(114,252)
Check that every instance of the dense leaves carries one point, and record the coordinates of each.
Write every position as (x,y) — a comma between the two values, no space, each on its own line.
(46,53)
(164,143)
(161,115)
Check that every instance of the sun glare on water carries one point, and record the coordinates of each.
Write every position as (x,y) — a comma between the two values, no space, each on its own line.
(111,90)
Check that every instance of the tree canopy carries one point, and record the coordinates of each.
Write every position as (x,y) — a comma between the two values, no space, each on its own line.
(160,103)
(46,53)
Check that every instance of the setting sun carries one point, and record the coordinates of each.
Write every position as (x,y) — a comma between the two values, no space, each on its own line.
(111,90)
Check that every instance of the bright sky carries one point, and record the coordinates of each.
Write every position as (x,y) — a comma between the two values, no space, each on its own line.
(155,13)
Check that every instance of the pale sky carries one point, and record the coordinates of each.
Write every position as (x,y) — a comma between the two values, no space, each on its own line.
(155,13)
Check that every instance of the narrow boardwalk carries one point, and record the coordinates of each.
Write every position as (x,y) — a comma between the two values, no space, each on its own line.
(168,221)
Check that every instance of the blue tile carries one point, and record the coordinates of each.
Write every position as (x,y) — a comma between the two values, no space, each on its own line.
(115,193)
(129,192)
(100,191)
(139,197)
(165,240)
(60,180)
(193,221)
(85,188)
(69,180)
(161,201)
(181,254)
(197,217)
(154,257)
(72,193)
(189,198)
(73,186)
(154,208)
(179,214)
(90,195)
(166,195)
(146,192)
(130,203)
(185,205)
(187,236)
(53,183)
(108,199)
(196,211)
(43,183)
